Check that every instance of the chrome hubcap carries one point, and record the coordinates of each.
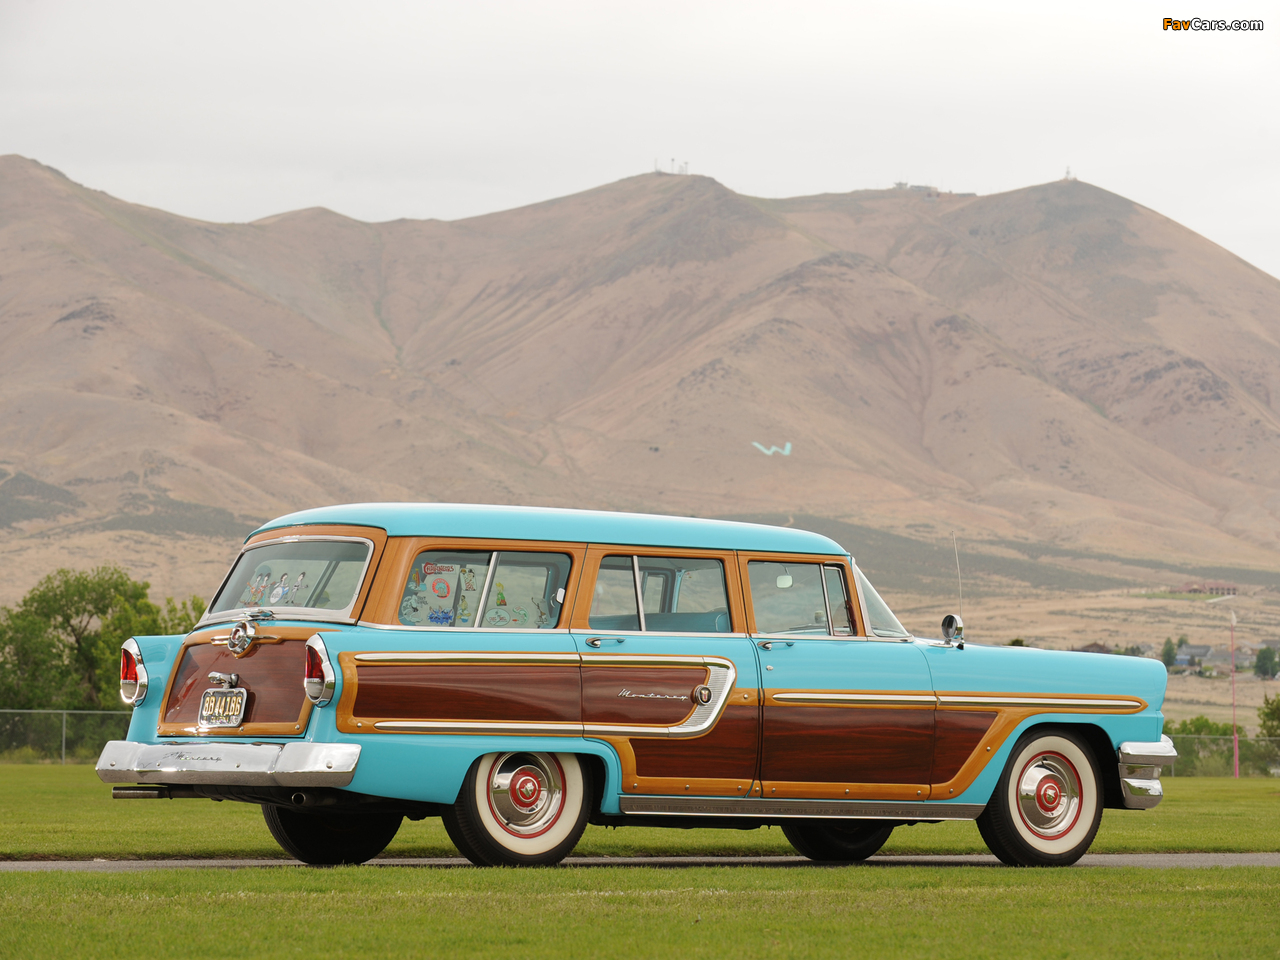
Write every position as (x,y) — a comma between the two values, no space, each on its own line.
(526,792)
(1049,795)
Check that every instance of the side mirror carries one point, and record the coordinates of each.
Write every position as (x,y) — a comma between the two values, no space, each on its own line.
(953,629)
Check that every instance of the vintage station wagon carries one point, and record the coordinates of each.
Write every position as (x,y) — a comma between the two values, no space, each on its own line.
(520,672)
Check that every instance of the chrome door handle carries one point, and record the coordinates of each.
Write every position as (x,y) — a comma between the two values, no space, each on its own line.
(768,644)
(596,641)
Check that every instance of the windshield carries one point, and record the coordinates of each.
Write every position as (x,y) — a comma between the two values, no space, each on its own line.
(883,622)
(296,575)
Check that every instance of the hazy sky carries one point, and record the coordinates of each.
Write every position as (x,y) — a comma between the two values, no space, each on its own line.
(234,111)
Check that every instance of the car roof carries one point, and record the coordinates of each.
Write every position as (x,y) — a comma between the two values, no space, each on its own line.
(490,522)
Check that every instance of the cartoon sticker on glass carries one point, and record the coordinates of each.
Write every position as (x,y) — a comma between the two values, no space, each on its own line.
(440,587)
(542,619)
(464,612)
(440,616)
(294,592)
(519,615)
(468,579)
(502,597)
(280,587)
(497,618)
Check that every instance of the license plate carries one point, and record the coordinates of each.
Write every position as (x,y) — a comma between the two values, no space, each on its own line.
(222,707)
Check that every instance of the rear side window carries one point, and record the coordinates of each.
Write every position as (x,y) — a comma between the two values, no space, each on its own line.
(678,595)
(472,588)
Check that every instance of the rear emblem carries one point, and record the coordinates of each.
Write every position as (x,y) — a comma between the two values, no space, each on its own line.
(242,636)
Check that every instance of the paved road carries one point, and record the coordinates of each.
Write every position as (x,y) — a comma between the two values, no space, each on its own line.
(1148,860)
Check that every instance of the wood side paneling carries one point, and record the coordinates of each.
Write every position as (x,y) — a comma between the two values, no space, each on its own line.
(849,745)
(272,673)
(627,694)
(729,750)
(958,734)
(432,691)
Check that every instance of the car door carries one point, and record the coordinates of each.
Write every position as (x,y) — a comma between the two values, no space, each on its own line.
(845,715)
(482,645)
(669,677)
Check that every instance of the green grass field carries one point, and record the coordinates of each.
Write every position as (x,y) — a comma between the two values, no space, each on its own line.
(915,912)
(56,812)
(751,911)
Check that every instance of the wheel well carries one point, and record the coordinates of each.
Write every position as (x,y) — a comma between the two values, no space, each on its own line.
(596,773)
(1103,752)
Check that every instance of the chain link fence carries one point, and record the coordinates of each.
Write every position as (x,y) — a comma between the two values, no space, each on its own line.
(78,736)
(53,736)
(1205,756)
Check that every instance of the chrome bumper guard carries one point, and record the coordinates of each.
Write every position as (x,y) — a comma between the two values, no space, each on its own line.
(241,764)
(1140,765)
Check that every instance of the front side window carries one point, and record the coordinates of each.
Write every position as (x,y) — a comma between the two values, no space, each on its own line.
(303,576)
(480,588)
(678,594)
(788,597)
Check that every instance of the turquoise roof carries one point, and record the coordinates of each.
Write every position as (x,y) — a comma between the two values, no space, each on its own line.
(547,523)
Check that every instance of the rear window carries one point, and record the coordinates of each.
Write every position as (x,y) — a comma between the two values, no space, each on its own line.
(513,590)
(307,575)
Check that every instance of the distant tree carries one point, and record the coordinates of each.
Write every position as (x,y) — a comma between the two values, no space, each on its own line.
(1200,726)
(60,646)
(1269,715)
(1016,642)
(1169,653)
(1182,641)
(1264,665)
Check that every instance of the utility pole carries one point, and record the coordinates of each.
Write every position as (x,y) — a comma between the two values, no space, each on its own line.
(1235,735)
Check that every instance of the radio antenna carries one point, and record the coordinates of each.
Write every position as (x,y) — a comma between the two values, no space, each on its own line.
(959,582)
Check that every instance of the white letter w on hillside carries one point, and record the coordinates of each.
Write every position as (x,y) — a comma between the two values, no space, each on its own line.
(785,451)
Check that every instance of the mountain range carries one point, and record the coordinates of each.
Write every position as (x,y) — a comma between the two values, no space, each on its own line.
(1053,368)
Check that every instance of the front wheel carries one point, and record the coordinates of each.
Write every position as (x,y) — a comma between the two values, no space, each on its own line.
(1047,804)
(331,838)
(837,841)
(520,809)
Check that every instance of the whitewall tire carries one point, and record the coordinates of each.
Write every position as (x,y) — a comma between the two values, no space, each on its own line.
(520,809)
(1047,805)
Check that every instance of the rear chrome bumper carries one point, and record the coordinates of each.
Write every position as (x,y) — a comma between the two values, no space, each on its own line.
(1140,765)
(243,764)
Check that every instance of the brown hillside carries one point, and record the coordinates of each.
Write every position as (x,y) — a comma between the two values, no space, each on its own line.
(1052,364)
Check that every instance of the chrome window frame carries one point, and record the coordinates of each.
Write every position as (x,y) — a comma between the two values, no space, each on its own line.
(290,613)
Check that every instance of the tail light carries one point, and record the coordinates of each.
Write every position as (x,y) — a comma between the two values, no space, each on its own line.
(133,675)
(319,679)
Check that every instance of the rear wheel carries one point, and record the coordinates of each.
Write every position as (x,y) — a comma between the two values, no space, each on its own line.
(331,838)
(837,841)
(520,809)
(1047,804)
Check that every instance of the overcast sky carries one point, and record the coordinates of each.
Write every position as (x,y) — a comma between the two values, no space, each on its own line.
(232,111)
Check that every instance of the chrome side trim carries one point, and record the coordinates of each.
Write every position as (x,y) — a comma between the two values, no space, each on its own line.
(722,674)
(1015,701)
(478,726)
(242,764)
(855,698)
(456,657)
(825,809)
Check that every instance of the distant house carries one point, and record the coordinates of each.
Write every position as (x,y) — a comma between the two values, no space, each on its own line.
(1218,588)
(1190,654)
(1093,648)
